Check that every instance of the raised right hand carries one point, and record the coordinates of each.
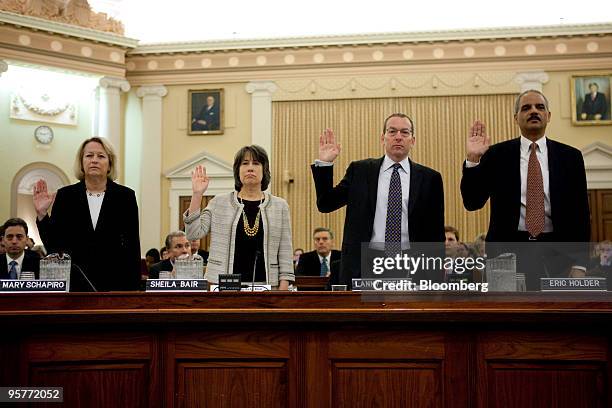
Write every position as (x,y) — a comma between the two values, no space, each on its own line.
(42,199)
(478,142)
(199,180)
(328,148)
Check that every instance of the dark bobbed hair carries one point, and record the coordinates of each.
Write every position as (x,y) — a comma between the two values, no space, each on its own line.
(257,153)
(153,253)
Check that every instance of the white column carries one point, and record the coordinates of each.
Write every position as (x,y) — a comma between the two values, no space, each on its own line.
(261,113)
(531,80)
(3,67)
(150,177)
(109,112)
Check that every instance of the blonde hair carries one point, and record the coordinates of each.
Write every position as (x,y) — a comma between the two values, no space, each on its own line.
(108,148)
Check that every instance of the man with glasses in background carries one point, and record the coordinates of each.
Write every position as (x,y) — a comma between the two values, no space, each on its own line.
(390,199)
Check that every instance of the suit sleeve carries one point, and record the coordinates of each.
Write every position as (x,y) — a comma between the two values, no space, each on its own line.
(132,242)
(198,225)
(475,184)
(285,250)
(437,206)
(582,202)
(331,198)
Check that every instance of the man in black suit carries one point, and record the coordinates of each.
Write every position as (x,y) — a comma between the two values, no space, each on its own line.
(594,106)
(178,245)
(390,199)
(209,117)
(537,188)
(17,259)
(319,261)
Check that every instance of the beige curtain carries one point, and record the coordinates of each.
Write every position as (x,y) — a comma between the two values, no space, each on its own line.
(441,127)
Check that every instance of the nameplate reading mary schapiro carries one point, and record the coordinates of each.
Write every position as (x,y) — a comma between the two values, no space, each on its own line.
(177,285)
(32,286)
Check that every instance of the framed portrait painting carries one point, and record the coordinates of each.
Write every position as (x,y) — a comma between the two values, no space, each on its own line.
(591,99)
(205,112)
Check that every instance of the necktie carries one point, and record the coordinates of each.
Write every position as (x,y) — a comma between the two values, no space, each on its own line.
(534,218)
(393,228)
(13,270)
(324,268)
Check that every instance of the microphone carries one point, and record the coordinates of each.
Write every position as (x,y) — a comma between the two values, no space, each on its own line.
(254,268)
(85,276)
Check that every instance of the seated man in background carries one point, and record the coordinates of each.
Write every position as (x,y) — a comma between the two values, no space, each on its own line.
(452,236)
(17,259)
(177,245)
(195,249)
(319,262)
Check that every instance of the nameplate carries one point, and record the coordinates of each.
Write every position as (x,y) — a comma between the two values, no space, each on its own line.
(384,285)
(249,288)
(573,284)
(177,285)
(32,286)
(229,282)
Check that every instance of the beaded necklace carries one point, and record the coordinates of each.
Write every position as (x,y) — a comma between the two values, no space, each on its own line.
(248,230)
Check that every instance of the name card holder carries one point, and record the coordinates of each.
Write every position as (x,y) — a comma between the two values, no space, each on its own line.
(383,285)
(229,282)
(32,286)
(177,285)
(573,284)
(245,288)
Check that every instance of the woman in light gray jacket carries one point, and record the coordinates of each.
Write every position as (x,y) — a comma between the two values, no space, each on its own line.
(250,230)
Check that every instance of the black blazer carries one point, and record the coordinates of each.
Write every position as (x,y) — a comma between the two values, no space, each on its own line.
(155,269)
(592,107)
(498,177)
(358,190)
(309,264)
(31,263)
(108,255)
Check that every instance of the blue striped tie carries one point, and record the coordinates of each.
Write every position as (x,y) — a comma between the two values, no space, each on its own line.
(324,268)
(13,270)
(393,228)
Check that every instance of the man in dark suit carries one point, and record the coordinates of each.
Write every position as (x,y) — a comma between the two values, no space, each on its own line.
(209,116)
(390,200)
(17,259)
(537,187)
(594,106)
(319,262)
(178,245)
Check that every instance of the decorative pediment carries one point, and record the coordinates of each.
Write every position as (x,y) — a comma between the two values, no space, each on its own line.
(215,167)
(598,156)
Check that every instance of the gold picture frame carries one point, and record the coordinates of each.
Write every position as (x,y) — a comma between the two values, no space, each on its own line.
(205,112)
(590,102)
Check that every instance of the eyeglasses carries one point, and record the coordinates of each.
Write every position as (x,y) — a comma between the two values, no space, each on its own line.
(403,132)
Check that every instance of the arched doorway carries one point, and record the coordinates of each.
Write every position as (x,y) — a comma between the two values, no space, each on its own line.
(21,191)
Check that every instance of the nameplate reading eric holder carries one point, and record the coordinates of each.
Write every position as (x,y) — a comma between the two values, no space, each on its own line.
(229,282)
(573,284)
(177,285)
(32,286)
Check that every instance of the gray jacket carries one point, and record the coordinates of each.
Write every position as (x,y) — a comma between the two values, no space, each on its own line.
(220,219)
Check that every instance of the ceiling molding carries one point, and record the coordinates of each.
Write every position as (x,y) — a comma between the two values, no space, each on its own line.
(415,37)
(40,24)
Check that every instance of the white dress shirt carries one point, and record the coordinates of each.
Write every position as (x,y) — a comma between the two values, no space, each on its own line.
(542,155)
(95,205)
(382,201)
(19,263)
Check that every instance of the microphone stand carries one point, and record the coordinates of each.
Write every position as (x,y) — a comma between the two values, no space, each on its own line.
(254,269)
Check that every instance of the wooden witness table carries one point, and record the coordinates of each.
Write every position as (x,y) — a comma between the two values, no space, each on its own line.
(310,349)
